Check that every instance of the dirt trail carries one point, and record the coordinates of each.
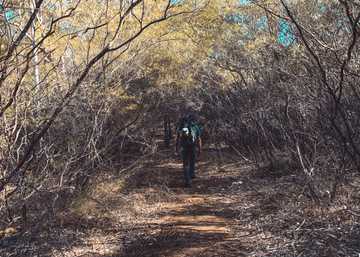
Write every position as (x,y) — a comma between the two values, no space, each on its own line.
(194,221)
(151,213)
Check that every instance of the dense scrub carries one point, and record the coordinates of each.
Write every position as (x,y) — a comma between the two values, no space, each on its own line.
(78,97)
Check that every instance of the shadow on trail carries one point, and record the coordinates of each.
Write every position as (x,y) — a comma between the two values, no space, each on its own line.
(168,172)
(170,242)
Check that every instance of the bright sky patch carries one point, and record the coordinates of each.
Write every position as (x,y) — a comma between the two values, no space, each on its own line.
(285,35)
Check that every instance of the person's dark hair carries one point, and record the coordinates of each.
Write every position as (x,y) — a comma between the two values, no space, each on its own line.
(190,117)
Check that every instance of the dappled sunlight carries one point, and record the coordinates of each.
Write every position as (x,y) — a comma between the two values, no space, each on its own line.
(200,223)
(169,165)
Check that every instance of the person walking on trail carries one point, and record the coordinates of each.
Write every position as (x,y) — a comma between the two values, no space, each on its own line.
(188,139)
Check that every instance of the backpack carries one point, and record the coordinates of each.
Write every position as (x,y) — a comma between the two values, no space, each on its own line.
(189,131)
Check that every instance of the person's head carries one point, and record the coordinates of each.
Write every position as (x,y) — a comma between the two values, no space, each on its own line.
(189,112)
(189,107)
(190,116)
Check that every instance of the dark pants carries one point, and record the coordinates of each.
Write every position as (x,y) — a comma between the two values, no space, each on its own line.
(188,156)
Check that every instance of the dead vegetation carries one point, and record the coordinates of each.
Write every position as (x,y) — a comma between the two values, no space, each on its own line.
(239,210)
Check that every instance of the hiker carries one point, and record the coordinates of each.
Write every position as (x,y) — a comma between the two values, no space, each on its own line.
(189,140)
